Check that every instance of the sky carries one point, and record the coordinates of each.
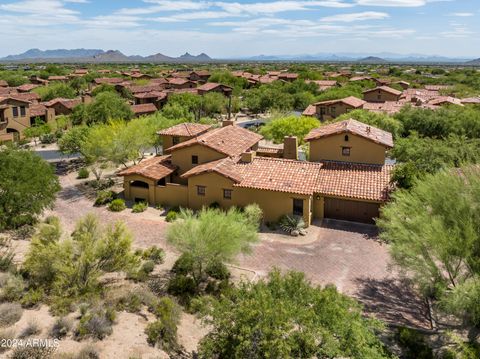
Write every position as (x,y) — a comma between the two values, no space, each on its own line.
(235,28)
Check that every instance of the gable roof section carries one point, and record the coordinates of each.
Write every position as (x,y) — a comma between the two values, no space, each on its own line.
(279,175)
(385,89)
(67,103)
(355,127)
(225,167)
(229,140)
(154,168)
(209,86)
(350,101)
(352,180)
(185,130)
(311,110)
(144,108)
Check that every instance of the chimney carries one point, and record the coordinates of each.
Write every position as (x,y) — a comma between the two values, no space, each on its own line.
(248,156)
(226,123)
(290,147)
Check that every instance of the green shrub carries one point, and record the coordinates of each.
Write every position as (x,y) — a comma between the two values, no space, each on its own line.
(132,303)
(171,216)
(139,207)
(293,225)
(148,266)
(414,344)
(12,289)
(184,264)
(24,232)
(163,332)
(31,329)
(6,255)
(154,254)
(48,138)
(10,313)
(117,205)
(83,173)
(33,352)
(182,286)
(61,328)
(88,352)
(253,214)
(218,270)
(104,197)
(96,323)
(32,298)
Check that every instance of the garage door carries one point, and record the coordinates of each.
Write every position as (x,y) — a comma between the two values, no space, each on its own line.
(354,211)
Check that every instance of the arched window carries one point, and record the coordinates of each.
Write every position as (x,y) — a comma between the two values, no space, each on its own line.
(346,138)
(139,184)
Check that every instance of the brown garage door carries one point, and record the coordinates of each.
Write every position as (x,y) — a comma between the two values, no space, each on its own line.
(354,211)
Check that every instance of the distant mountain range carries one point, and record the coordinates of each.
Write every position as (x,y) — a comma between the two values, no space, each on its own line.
(97,56)
(115,56)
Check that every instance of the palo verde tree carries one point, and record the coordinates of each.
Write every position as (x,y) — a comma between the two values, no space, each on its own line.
(287,317)
(28,185)
(434,232)
(278,128)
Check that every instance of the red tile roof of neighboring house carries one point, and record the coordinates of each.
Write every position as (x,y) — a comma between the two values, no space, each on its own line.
(81,71)
(229,140)
(178,81)
(201,73)
(280,175)
(357,181)
(436,87)
(209,86)
(385,89)
(143,109)
(185,130)
(57,78)
(138,75)
(388,107)
(470,100)
(443,100)
(37,110)
(159,80)
(27,87)
(154,94)
(143,89)
(355,127)
(225,167)
(68,103)
(108,80)
(311,110)
(28,96)
(154,168)
(361,78)
(352,101)
(12,97)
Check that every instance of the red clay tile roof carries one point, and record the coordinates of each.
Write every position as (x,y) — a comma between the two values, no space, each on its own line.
(385,89)
(436,87)
(143,89)
(37,110)
(154,168)
(159,80)
(68,103)
(154,94)
(269,150)
(57,78)
(389,107)
(311,110)
(355,127)
(441,100)
(27,87)
(12,97)
(350,101)
(225,167)
(178,81)
(28,96)
(229,140)
(358,181)
(209,86)
(471,100)
(143,108)
(108,80)
(279,175)
(185,130)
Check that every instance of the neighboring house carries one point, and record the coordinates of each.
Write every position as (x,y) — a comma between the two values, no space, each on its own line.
(144,109)
(139,76)
(58,78)
(445,100)
(108,80)
(201,76)
(289,77)
(388,107)
(27,87)
(62,106)
(179,83)
(155,97)
(349,141)
(327,110)
(222,166)
(14,118)
(214,87)
(404,84)
(324,85)
(41,112)
(382,94)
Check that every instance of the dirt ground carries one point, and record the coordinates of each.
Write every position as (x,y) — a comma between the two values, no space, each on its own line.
(346,255)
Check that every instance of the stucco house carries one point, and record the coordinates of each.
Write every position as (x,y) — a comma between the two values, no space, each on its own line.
(382,94)
(223,166)
(327,110)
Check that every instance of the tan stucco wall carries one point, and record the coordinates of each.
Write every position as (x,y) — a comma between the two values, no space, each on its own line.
(340,109)
(361,149)
(167,141)
(171,195)
(18,123)
(183,157)
(318,206)
(384,96)
(215,184)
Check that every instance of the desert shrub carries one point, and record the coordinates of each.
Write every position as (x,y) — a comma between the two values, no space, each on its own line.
(148,266)
(132,303)
(33,352)
(117,205)
(6,255)
(184,264)
(104,197)
(6,335)
(96,323)
(294,225)
(155,254)
(61,328)
(171,216)
(218,270)
(83,173)
(413,344)
(10,313)
(31,329)
(253,214)
(163,332)
(12,289)
(101,184)
(24,232)
(88,352)
(139,207)
(48,138)
(32,298)
(182,286)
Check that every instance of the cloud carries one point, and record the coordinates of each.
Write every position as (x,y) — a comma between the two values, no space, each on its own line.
(462,14)
(392,3)
(359,16)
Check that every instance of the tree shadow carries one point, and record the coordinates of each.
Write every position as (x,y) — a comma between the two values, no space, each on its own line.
(368,231)
(393,301)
